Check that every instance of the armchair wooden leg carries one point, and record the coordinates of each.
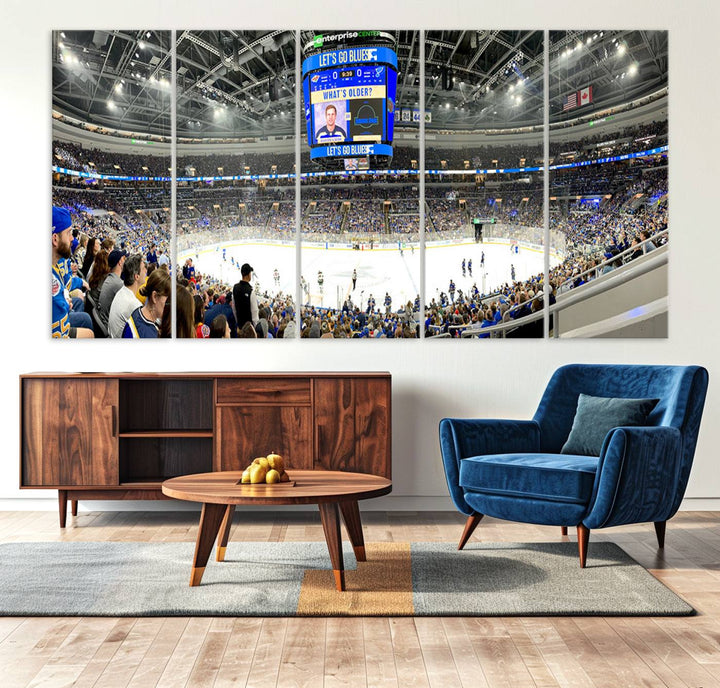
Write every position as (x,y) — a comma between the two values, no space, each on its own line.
(563,530)
(583,535)
(660,532)
(470,525)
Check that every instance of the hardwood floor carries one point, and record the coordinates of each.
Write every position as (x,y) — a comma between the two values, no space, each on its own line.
(373,652)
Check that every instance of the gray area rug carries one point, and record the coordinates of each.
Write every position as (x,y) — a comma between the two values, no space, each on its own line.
(281,579)
(536,579)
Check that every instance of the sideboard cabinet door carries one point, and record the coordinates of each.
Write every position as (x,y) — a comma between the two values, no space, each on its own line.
(69,432)
(352,425)
(246,432)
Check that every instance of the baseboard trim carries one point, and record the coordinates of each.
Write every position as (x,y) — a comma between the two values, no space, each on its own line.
(388,503)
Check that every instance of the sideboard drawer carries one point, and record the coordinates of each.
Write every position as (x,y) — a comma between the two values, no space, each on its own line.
(266,391)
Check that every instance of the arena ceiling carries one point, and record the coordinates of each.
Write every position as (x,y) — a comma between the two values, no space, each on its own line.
(242,83)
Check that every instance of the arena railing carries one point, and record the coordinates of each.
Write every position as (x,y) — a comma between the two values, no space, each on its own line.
(597,269)
(614,279)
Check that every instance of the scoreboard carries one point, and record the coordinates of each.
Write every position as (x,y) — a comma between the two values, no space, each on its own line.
(349,98)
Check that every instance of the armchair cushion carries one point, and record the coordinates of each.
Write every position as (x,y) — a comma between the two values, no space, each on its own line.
(462,437)
(596,416)
(548,477)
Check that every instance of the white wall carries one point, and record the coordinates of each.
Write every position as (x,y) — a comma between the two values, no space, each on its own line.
(430,379)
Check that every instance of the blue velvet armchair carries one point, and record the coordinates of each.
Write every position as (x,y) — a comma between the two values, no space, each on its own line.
(515,470)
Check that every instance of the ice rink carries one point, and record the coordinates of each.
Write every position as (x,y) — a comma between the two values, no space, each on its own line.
(378,270)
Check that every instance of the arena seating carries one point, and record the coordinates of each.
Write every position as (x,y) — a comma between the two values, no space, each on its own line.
(598,211)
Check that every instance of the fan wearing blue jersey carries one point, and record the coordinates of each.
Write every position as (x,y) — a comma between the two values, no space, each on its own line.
(330,132)
(142,324)
(62,278)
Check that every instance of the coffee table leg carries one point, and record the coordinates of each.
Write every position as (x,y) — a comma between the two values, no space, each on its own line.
(210,519)
(331,525)
(224,534)
(353,525)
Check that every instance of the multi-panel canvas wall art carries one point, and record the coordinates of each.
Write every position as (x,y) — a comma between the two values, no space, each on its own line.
(390,184)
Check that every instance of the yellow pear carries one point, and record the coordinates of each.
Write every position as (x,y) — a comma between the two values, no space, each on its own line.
(245,476)
(272,476)
(257,473)
(262,461)
(276,462)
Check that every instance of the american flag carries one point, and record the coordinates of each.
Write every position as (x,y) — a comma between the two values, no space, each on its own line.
(570,102)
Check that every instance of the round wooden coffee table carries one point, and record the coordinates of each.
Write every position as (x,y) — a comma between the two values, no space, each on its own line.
(335,493)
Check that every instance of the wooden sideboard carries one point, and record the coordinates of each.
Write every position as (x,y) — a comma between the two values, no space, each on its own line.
(120,435)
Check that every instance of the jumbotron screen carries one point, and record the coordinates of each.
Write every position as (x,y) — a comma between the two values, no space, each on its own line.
(350,102)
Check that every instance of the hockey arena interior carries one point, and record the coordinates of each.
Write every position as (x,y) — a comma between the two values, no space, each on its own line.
(200,155)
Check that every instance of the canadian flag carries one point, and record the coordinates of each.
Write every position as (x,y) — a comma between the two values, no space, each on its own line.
(586,96)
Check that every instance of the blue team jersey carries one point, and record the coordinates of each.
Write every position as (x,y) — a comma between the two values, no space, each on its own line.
(324,136)
(60,305)
(63,283)
(139,327)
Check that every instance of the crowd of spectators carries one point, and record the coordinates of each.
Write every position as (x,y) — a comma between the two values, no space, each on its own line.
(606,210)
(599,241)
(490,155)
(211,309)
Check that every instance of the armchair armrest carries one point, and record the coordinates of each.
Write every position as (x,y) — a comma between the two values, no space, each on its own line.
(461,438)
(638,477)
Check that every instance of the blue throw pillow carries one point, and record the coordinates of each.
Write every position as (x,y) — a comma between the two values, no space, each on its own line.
(596,416)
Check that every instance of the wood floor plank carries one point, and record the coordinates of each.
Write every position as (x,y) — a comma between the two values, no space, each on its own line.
(701,648)
(21,674)
(158,655)
(303,654)
(103,656)
(467,665)
(55,636)
(409,663)
(437,657)
(598,668)
(493,647)
(237,661)
(567,669)
(530,653)
(27,649)
(8,624)
(210,654)
(379,660)
(182,659)
(83,641)
(632,671)
(56,675)
(344,653)
(268,653)
(657,649)
(130,654)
